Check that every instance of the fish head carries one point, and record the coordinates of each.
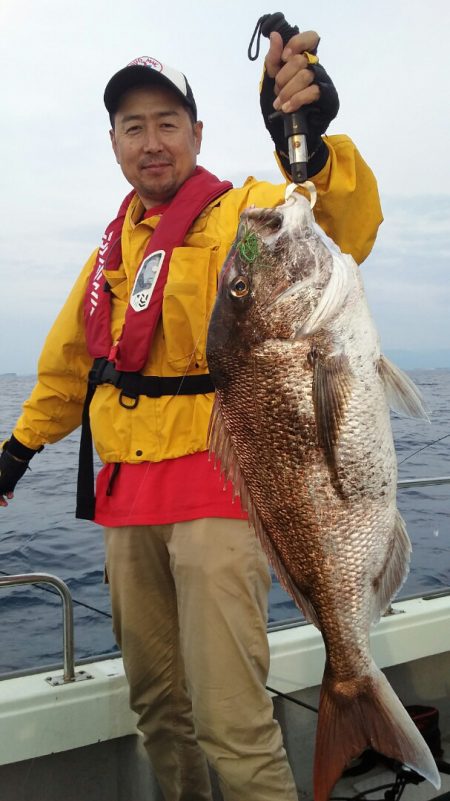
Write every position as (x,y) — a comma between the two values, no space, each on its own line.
(270,282)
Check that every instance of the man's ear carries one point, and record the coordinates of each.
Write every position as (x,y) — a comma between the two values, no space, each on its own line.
(112,136)
(198,133)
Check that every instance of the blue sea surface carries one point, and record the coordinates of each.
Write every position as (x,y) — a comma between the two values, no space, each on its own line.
(39,533)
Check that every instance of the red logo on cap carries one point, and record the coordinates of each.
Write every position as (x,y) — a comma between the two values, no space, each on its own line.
(147,61)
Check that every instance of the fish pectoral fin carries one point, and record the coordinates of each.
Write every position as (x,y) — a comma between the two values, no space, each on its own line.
(332,385)
(402,395)
(394,571)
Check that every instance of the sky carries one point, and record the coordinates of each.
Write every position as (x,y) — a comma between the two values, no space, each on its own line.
(60,185)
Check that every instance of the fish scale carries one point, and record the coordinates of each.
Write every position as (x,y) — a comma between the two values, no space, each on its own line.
(301,426)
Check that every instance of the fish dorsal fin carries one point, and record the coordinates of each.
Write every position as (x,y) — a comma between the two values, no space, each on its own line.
(394,571)
(220,444)
(332,385)
(402,395)
(333,296)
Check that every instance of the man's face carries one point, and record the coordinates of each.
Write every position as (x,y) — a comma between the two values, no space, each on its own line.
(155,142)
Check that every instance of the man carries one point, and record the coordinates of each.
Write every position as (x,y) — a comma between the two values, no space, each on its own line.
(188,580)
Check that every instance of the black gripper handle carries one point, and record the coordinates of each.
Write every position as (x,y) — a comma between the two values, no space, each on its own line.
(277,22)
(296,121)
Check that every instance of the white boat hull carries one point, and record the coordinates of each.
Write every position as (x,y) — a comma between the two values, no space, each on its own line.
(79,742)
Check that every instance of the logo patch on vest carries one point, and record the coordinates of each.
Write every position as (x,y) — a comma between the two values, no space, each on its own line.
(145,280)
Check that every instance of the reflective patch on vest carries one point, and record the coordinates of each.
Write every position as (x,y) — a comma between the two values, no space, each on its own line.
(145,280)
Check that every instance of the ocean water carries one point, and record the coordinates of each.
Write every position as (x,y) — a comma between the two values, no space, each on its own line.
(39,533)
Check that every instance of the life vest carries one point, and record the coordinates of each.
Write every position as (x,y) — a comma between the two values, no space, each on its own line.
(130,352)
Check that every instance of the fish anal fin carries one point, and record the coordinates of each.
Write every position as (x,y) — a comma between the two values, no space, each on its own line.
(402,395)
(221,446)
(362,713)
(332,384)
(288,584)
(285,579)
(395,569)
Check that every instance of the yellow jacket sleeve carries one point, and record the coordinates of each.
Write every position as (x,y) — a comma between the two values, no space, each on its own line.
(55,405)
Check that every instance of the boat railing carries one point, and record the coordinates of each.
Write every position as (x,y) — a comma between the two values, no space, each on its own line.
(407,483)
(69,673)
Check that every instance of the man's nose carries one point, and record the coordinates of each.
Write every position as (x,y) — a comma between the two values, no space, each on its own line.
(152,141)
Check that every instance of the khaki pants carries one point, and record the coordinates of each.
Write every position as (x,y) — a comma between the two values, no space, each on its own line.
(189,606)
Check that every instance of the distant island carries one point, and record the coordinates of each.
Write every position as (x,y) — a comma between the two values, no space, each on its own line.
(419,360)
(406,359)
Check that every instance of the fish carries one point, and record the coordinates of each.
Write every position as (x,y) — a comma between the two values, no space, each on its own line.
(301,427)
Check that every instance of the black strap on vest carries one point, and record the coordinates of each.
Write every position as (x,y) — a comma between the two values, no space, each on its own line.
(131,386)
(85,508)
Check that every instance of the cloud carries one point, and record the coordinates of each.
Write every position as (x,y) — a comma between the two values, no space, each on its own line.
(60,185)
(406,276)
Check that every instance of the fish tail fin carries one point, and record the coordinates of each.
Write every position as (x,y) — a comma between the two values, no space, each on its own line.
(356,715)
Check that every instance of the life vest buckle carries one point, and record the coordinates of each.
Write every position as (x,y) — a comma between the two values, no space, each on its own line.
(103,372)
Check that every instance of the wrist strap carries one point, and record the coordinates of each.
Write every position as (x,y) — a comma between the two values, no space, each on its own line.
(19,451)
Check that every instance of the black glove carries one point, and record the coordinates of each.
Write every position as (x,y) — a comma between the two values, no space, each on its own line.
(14,460)
(318,117)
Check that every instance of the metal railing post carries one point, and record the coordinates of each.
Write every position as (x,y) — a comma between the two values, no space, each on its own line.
(64,592)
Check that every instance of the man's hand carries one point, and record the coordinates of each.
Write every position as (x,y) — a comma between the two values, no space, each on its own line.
(294,79)
(3,501)
(11,470)
(290,68)
(14,461)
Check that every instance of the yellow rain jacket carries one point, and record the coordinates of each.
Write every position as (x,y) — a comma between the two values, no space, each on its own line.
(347,208)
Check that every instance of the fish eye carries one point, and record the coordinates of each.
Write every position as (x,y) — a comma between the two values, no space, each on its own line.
(239,288)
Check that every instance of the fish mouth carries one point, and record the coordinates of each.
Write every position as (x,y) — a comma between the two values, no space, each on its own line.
(279,227)
(265,223)
(290,233)
(271,224)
